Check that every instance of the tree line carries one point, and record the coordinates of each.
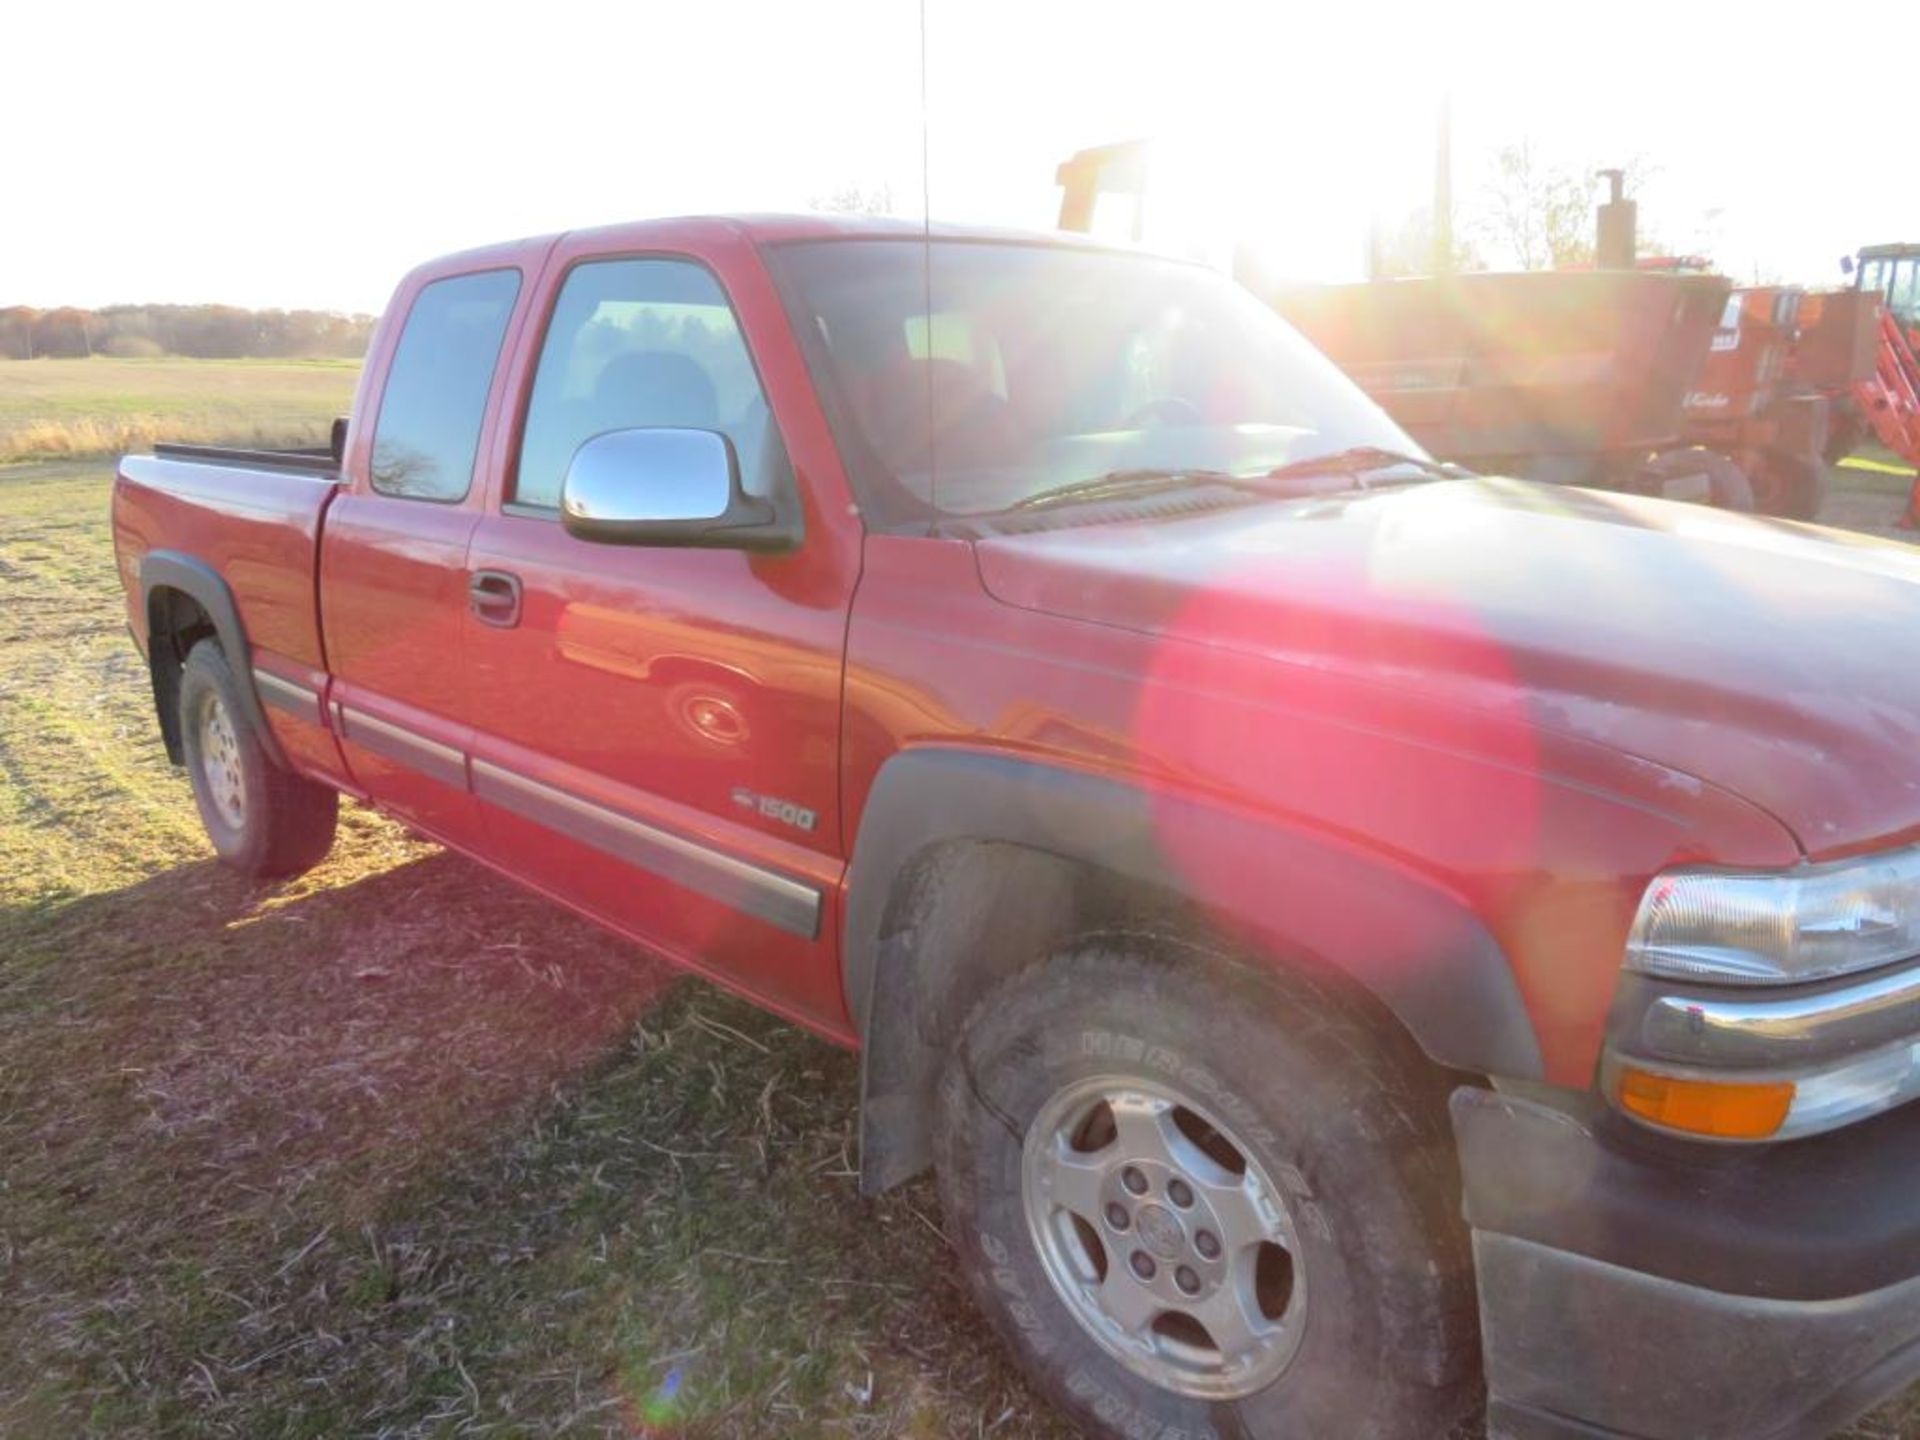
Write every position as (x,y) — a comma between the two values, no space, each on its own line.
(1533,213)
(207,332)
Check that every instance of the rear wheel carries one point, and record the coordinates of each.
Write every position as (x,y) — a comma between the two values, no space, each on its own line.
(1196,1202)
(1793,487)
(263,819)
(1698,474)
(1846,428)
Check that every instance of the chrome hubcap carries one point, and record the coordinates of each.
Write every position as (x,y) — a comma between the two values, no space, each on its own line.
(220,764)
(1164,1236)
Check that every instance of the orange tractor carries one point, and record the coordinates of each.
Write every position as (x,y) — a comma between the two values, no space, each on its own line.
(1885,400)
(1762,394)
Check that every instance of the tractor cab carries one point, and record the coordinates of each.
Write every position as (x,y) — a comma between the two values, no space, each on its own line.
(1893,272)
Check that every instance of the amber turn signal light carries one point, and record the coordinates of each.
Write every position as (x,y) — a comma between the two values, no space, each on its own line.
(1724,1109)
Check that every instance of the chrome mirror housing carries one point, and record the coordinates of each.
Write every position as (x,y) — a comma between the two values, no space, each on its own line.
(669,487)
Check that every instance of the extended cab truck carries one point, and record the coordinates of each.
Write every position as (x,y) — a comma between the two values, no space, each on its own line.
(1338,927)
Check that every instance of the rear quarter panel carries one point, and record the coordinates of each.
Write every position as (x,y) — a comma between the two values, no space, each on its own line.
(259,529)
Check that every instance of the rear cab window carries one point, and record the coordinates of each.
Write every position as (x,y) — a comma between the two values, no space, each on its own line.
(428,429)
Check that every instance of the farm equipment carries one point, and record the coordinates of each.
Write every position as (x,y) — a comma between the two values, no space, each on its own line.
(1571,377)
(1575,378)
(1751,403)
(1886,399)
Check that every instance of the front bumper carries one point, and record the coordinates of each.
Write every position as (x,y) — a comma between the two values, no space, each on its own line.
(1766,1027)
(1632,1285)
(1849,1046)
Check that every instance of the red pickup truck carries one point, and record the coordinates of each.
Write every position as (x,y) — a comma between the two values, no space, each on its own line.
(1346,933)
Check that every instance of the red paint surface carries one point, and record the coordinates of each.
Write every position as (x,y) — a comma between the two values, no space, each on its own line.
(1531,701)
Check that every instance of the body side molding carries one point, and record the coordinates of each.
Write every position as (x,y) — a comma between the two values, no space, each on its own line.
(780,901)
(397,743)
(288,695)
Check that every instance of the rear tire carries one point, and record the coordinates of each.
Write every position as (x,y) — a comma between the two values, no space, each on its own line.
(1793,487)
(1727,485)
(1344,1283)
(263,819)
(1846,428)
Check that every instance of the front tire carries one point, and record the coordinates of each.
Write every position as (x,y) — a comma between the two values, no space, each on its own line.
(1196,1201)
(263,820)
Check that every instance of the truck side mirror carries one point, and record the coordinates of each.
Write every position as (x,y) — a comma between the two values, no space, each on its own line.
(668,487)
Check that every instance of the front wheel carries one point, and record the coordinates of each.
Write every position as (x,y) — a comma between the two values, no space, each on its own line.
(263,819)
(1200,1202)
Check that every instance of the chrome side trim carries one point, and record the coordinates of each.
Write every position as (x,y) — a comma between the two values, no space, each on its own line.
(1784,1030)
(784,903)
(288,695)
(416,752)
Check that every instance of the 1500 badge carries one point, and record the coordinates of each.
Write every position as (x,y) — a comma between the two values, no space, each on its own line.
(771,807)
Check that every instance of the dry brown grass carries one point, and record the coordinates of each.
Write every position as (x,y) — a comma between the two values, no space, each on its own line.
(50,439)
(105,406)
(394,1149)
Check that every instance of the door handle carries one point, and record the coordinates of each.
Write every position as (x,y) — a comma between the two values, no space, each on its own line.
(494,598)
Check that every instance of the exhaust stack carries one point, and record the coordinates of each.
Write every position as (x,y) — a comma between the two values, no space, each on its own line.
(1616,237)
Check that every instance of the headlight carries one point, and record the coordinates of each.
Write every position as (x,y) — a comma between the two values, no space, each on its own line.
(1805,924)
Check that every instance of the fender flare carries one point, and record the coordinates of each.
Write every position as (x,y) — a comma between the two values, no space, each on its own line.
(1416,948)
(201,583)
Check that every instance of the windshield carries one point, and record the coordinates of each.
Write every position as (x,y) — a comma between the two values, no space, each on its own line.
(971,377)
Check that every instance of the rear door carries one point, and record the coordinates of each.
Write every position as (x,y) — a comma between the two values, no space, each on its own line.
(393,574)
(657,730)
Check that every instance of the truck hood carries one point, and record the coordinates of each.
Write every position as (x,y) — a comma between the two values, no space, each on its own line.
(1773,660)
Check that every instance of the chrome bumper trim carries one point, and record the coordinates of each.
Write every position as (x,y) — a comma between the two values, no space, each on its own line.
(1786,1030)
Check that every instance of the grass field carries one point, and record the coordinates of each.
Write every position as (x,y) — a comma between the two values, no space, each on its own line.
(393,1149)
(105,407)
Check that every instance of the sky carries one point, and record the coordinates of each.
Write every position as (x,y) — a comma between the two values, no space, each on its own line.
(307,156)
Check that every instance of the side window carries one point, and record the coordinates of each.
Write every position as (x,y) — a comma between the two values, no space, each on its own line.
(1904,296)
(637,343)
(430,413)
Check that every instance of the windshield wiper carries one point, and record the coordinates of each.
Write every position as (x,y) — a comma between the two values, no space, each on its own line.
(1356,462)
(1151,481)
(1359,461)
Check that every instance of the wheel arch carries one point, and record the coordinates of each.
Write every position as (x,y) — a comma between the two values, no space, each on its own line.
(185,599)
(970,866)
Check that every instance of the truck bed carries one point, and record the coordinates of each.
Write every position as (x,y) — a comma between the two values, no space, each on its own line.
(307,459)
(252,517)
(315,460)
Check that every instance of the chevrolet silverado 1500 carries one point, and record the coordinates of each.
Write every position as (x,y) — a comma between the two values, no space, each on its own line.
(1346,933)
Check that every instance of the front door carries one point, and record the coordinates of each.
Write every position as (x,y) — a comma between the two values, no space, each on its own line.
(656,733)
